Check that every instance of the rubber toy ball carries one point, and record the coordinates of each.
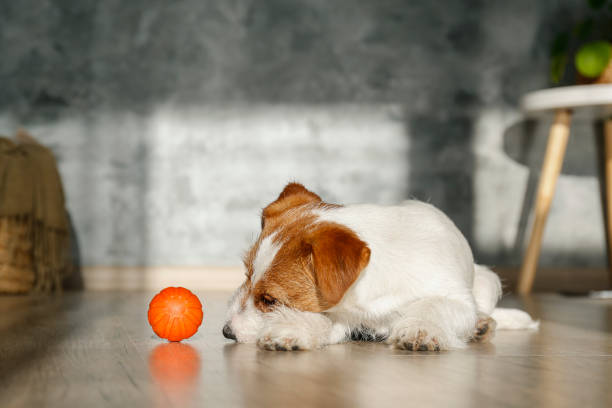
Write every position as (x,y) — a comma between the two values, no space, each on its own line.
(175,314)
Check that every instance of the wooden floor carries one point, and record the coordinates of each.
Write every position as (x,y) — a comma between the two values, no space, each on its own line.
(97,350)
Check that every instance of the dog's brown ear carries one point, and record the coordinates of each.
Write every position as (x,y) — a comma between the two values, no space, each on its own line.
(293,194)
(338,257)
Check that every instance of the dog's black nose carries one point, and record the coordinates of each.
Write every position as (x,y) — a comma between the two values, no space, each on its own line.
(228,333)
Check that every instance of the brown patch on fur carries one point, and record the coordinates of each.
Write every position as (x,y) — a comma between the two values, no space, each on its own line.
(316,263)
(276,217)
(293,195)
(338,258)
(313,269)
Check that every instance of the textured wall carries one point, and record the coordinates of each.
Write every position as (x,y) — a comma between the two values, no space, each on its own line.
(175,122)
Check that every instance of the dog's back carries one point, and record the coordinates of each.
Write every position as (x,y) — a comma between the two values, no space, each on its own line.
(416,251)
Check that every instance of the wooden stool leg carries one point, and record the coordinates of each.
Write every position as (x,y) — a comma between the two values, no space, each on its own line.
(551,168)
(608,188)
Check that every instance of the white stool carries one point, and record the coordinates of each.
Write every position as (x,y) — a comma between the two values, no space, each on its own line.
(593,101)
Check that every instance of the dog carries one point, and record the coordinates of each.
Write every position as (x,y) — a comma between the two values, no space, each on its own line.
(322,274)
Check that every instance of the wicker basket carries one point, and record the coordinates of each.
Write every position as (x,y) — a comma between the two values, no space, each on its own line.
(16,257)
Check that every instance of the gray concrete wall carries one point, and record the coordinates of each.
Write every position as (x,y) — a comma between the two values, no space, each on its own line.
(175,122)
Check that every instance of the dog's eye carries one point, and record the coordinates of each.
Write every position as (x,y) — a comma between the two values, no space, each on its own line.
(263,221)
(268,300)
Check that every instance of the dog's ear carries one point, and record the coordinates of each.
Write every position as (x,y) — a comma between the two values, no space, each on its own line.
(338,256)
(293,194)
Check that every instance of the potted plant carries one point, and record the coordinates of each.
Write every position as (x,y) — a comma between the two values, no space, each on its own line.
(589,42)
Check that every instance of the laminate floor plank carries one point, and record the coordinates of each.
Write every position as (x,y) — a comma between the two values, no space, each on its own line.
(97,350)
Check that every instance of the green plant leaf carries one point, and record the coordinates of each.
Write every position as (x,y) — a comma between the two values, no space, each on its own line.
(592,58)
(557,67)
(596,4)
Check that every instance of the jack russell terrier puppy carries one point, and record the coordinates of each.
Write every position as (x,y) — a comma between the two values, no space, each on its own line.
(322,274)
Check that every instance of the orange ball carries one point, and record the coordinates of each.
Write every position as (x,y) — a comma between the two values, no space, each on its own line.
(175,314)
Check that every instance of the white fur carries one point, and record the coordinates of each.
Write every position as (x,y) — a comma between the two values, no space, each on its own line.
(513,319)
(247,322)
(265,255)
(421,280)
(487,289)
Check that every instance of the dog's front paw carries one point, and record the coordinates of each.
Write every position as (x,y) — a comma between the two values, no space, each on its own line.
(422,337)
(279,343)
(287,330)
(285,339)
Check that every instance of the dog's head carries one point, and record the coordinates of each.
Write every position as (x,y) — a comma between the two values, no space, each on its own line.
(298,261)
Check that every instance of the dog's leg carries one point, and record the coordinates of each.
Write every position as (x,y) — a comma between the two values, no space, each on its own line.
(287,329)
(487,289)
(435,323)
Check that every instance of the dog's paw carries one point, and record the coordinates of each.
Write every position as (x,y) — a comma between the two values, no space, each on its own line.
(421,341)
(285,339)
(279,343)
(280,335)
(287,330)
(422,337)
(485,329)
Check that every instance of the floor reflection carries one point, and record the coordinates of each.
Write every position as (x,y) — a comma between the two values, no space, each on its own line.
(268,378)
(175,367)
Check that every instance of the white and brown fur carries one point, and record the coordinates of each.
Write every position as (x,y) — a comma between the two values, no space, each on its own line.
(322,274)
